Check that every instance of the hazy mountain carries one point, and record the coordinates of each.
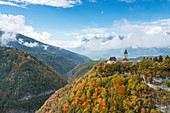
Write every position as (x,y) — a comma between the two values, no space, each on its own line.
(136,59)
(132,52)
(60,59)
(25,81)
(105,47)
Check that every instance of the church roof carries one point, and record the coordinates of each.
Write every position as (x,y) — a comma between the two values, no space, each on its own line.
(112,59)
(125,52)
(125,59)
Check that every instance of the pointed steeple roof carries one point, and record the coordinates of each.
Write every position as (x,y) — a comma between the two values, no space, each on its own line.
(125,52)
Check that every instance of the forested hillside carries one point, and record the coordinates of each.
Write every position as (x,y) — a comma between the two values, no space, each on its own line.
(116,88)
(80,70)
(25,81)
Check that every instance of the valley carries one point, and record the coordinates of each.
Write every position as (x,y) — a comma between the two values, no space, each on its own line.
(84,56)
(138,85)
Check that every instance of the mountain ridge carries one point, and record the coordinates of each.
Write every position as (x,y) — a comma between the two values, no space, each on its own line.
(133,52)
(60,59)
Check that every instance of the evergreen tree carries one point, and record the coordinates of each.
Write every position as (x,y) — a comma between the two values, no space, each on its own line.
(155,59)
(160,59)
(166,57)
(150,58)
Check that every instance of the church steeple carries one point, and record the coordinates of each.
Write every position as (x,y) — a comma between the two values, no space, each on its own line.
(125,54)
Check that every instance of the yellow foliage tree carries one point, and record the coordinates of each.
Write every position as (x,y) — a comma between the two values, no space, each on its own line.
(104,103)
(122,90)
(104,93)
(66,107)
(88,94)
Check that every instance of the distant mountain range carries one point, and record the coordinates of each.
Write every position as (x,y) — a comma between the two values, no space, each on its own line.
(60,59)
(98,45)
(140,58)
(132,52)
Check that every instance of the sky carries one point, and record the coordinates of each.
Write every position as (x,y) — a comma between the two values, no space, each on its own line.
(94,25)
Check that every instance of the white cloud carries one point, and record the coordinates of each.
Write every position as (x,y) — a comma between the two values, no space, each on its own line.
(64,44)
(53,3)
(6,37)
(31,44)
(107,35)
(92,0)
(72,34)
(154,30)
(95,40)
(125,35)
(28,44)
(16,24)
(45,47)
(80,37)
(8,3)
(20,41)
(128,1)
(94,30)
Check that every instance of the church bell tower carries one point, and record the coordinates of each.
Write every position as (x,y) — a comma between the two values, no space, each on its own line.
(125,54)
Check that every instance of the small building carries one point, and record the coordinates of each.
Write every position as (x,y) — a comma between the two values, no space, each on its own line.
(125,60)
(111,60)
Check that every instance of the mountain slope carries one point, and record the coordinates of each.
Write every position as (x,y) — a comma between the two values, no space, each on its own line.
(80,70)
(60,59)
(101,90)
(25,81)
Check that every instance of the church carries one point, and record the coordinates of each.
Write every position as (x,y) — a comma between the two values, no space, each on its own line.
(113,59)
(125,60)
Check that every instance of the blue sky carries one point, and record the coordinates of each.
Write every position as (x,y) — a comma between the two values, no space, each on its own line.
(60,21)
(76,20)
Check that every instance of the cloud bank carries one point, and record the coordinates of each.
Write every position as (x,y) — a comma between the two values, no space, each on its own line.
(125,35)
(8,3)
(16,24)
(53,3)
(121,34)
(6,37)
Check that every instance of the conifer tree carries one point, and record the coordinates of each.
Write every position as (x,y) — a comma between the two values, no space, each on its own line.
(155,59)
(160,58)
(166,57)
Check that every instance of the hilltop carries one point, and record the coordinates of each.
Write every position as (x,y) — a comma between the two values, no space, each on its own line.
(115,88)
